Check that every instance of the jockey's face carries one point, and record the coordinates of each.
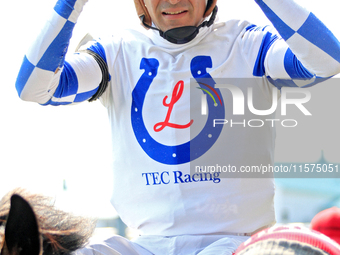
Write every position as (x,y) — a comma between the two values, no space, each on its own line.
(168,14)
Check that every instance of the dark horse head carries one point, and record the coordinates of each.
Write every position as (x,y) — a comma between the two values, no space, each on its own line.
(31,225)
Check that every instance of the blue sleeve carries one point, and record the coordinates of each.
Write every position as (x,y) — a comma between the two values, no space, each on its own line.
(46,76)
(307,48)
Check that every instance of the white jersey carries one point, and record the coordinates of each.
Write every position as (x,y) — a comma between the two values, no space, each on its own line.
(158,128)
(172,131)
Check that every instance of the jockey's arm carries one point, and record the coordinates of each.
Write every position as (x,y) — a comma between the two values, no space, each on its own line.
(307,49)
(46,77)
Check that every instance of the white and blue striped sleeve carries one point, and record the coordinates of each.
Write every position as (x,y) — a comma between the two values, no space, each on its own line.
(306,49)
(45,76)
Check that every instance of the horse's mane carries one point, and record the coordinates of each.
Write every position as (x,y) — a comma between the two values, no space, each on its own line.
(62,232)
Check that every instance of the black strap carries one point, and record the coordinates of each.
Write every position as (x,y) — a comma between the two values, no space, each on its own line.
(181,35)
(105,74)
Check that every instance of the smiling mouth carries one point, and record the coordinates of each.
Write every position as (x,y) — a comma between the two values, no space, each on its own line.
(174,13)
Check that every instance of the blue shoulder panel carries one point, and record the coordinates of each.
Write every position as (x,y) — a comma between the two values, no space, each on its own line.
(267,41)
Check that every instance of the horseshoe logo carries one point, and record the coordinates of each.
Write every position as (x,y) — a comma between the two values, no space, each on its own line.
(191,150)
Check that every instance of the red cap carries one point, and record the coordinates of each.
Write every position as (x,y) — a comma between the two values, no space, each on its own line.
(327,222)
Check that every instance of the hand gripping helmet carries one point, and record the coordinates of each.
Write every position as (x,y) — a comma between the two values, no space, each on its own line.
(177,35)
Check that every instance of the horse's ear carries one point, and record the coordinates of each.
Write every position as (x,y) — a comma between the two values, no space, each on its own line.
(22,231)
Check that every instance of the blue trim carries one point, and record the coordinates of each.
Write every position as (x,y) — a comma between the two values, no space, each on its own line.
(64,8)
(279,83)
(267,41)
(284,30)
(25,72)
(68,84)
(85,95)
(255,28)
(317,33)
(99,49)
(250,27)
(294,67)
(50,102)
(59,46)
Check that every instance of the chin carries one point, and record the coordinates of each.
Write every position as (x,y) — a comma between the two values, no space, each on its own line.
(166,28)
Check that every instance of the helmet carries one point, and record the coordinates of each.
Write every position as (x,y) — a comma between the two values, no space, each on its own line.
(144,15)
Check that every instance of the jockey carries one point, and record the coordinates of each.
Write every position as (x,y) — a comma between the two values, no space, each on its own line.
(181,140)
